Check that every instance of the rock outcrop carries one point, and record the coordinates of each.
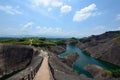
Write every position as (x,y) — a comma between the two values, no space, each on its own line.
(105,46)
(70,59)
(14,57)
(58,49)
(27,73)
(95,70)
(60,70)
(84,77)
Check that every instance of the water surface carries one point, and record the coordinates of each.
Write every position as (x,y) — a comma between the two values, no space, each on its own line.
(85,59)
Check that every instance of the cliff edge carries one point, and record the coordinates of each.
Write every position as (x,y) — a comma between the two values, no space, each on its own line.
(14,57)
(105,46)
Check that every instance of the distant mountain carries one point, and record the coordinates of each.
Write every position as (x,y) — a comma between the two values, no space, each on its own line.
(26,36)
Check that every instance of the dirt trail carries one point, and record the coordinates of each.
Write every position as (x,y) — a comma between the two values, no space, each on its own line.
(44,72)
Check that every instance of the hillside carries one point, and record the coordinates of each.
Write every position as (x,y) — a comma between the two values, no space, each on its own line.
(104,47)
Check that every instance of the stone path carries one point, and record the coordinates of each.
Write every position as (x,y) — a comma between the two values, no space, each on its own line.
(44,71)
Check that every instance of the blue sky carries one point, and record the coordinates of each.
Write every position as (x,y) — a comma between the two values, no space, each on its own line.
(58,18)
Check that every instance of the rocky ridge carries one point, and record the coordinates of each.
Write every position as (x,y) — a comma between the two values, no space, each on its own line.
(97,73)
(62,67)
(58,49)
(60,70)
(105,46)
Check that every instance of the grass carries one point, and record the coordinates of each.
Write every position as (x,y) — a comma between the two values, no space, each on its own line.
(84,40)
(111,73)
(42,42)
(117,39)
(106,73)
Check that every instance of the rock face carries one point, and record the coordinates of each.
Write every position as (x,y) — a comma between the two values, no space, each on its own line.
(70,59)
(28,71)
(57,49)
(95,70)
(84,77)
(60,70)
(97,73)
(14,57)
(105,47)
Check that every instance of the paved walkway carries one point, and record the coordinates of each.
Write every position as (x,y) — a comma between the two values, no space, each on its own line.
(44,71)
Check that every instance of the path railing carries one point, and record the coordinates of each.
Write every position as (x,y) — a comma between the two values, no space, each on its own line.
(30,72)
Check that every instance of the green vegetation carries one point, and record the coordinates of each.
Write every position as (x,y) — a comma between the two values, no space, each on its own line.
(7,40)
(36,41)
(84,40)
(42,39)
(117,39)
(42,42)
(75,71)
(72,40)
(118,32)
(23,41)
(106,73)
(113,73)
(76,54)
(61,42)
(116,73)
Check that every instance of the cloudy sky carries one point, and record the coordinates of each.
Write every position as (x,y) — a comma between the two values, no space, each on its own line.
(58,18)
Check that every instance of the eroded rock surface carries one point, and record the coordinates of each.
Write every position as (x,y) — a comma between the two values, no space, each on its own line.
(70,59)
(57,49)
(60,70)
(14,57)
(97,73)
(94,70)
(105,47)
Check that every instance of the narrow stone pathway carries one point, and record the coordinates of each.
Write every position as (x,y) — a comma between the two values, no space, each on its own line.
(44,71)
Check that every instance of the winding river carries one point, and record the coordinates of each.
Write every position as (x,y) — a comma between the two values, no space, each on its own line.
(85,59)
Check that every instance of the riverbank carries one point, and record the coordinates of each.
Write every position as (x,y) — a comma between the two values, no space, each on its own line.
(86,59)
(105,47)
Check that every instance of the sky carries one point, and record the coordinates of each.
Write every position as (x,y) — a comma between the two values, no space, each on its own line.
(58,18)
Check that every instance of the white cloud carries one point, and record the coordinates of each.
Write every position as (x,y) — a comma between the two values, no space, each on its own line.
(56,4)
(27,25)
(10,10)
(85,13)
(48,30)
(55,31)
(66,8)
(100,28)
(43,2)
(40,31)
(118,17)
(53,3)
